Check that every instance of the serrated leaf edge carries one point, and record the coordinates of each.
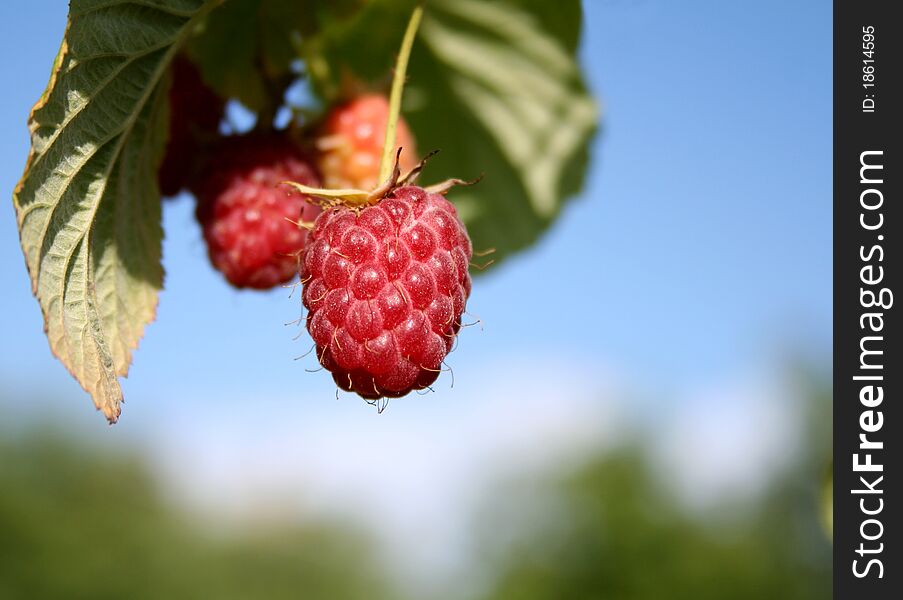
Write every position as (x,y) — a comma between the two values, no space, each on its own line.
(113,390)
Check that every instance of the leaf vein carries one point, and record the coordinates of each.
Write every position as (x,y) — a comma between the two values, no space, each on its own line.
(101,87)
(120,4)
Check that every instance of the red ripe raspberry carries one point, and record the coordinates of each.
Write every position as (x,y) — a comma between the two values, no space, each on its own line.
(351,139)
(385,288)
(249,220)
(194,115)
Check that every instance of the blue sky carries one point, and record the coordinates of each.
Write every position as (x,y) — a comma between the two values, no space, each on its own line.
(699,248)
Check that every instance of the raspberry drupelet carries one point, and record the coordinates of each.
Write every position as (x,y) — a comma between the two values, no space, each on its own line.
(250,222)
(385,287)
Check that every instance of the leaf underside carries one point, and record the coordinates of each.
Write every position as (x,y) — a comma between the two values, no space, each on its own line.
(495,86)
(527,118)
(88,208)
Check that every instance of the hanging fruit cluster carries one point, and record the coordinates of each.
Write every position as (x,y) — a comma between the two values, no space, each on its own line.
(277,118)
(383,262)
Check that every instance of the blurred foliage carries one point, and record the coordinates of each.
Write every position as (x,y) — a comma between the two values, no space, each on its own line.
(247,47)
(494,85)
(612,530)
(77,523)
(617,534)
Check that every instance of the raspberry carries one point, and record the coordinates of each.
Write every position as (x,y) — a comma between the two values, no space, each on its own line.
(194,115)
(385,288)
(351,139)
(249,220)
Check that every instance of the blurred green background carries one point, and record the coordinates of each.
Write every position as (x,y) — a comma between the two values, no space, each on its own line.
(81,521)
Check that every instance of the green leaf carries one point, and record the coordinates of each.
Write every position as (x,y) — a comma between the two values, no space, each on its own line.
(246,48)
(88,207)
(495,86)
(226,52)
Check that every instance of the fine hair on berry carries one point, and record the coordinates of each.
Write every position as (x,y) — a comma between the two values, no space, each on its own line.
(385,287)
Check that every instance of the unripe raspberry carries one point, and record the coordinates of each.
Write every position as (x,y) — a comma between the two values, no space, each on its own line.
(385,288)
(250,221)
(350,143)
(194,115)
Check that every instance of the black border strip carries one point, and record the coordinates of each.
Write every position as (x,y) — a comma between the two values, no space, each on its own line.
(868,369)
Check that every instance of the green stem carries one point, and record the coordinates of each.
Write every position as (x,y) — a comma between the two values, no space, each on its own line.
(401,67)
